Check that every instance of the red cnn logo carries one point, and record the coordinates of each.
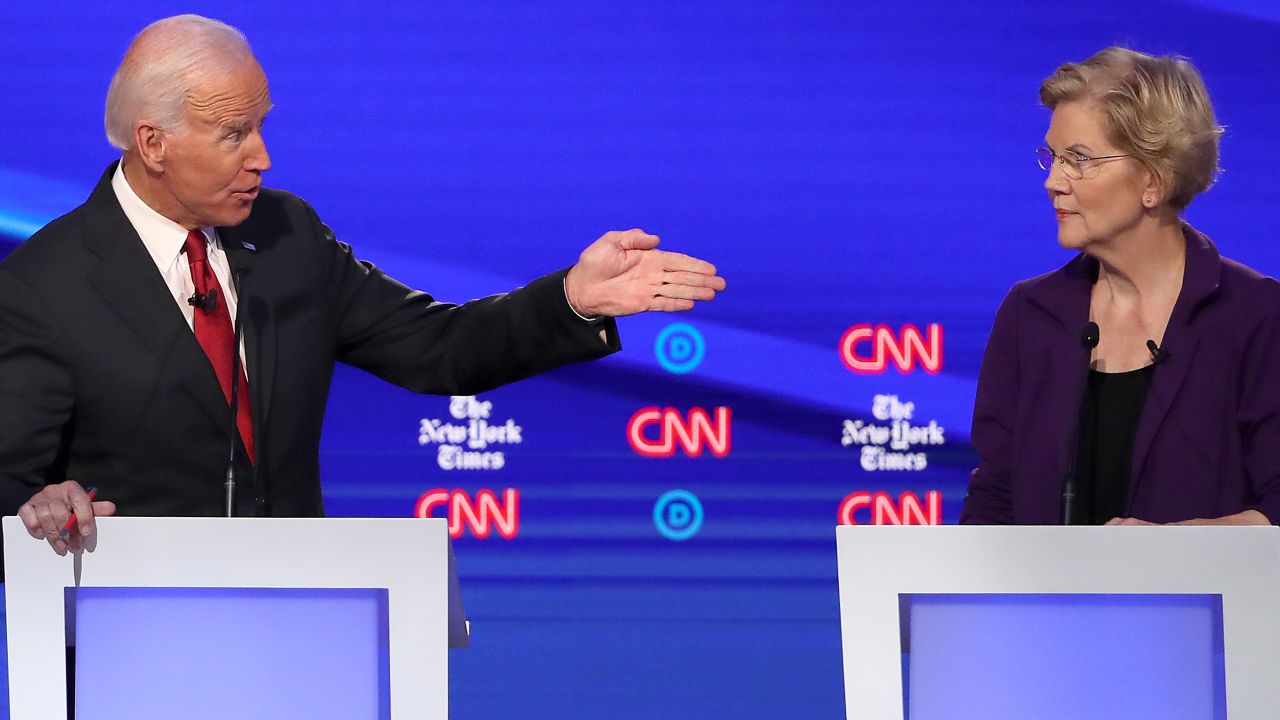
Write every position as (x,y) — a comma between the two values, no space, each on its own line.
(907,349)
(483,515)
(692,435)
(883,510)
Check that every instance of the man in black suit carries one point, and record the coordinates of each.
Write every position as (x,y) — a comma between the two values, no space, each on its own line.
(118,367)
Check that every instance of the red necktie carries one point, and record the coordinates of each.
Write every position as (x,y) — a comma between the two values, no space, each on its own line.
(215,335)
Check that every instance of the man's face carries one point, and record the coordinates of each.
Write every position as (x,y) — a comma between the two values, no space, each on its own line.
(214,165)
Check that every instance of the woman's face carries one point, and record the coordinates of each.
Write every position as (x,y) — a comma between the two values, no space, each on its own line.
(1108,200)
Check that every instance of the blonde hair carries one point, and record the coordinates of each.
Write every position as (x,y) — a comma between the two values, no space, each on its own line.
(1154,108)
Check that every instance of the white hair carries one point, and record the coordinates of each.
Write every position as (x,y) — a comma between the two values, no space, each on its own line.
(163,63)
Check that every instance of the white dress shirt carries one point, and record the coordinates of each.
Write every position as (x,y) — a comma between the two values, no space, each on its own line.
(164,240)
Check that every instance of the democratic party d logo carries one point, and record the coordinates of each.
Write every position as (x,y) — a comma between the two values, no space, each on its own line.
(679,348)
(678,515)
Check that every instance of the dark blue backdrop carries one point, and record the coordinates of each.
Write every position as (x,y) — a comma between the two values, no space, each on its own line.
(842,163)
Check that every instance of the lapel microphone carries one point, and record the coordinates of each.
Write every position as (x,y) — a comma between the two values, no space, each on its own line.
(1089,335)
(207,302)
(1158,353)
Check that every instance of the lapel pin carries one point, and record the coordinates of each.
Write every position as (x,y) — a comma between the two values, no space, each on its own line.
(249,246)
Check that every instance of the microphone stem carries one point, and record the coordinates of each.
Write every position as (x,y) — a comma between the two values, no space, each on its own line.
(231,490)
(1089,337)
(236,369)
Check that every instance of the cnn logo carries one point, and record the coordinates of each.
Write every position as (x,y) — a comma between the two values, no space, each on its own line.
(869,350)
(482,516)
(883,510)
(654,432)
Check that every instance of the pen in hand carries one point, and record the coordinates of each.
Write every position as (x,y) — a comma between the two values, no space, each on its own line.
(71,521)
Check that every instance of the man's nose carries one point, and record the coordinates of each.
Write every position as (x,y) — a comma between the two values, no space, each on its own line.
(258,160)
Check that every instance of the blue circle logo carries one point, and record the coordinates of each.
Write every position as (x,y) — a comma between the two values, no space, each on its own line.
(678,515)
(679,348)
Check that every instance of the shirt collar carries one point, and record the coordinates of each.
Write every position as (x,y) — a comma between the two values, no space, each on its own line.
(162,237)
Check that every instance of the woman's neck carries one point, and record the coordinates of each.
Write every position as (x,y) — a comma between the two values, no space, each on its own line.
(1145,266)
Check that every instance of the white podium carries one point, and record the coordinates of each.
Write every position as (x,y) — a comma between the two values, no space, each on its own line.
(1049,622)
(239,617)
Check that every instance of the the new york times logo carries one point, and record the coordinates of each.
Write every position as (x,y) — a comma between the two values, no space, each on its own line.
(467,445)
(897,445)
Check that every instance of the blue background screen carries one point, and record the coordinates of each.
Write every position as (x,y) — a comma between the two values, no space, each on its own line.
(844,165)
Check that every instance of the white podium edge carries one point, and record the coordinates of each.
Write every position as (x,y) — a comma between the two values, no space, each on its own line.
(408,557)
(876,564)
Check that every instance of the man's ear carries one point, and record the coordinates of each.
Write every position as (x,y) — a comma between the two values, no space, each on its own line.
(152,144)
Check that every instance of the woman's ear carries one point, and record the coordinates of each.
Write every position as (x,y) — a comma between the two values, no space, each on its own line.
(1152,191)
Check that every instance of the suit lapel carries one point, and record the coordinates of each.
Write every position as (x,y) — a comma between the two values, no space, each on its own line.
(127,279)
(1064,300)
(1200,283)
(259,331)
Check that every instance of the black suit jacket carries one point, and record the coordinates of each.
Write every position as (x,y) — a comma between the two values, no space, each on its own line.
(102,380)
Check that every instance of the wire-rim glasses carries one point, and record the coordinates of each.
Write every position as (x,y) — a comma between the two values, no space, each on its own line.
(1074,165)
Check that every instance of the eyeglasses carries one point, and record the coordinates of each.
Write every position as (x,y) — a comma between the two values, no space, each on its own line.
(1074,165)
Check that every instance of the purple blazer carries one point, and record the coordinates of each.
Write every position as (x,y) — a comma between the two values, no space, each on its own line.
(1208,440)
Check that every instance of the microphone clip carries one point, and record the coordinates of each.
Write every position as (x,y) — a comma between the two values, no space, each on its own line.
(207,302)
(1158,354)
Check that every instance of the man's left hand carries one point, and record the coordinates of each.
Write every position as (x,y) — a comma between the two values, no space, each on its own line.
(622,274)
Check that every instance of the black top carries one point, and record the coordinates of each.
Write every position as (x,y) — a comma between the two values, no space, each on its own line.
(1109,417)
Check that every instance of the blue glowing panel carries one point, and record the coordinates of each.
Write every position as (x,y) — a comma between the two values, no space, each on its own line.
(1064,657)
(245,653)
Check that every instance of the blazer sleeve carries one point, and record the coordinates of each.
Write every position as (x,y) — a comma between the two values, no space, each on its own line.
(408,338)
(1259,414)
(989,497)
(36,395)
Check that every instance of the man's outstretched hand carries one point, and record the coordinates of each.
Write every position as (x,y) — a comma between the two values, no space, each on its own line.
(622,274)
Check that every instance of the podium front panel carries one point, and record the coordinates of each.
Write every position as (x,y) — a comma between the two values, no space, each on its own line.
(882,567)
(407,559)
(1065,657)
(245,653)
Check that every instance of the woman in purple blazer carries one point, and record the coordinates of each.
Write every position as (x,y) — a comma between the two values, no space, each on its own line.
(1139,383)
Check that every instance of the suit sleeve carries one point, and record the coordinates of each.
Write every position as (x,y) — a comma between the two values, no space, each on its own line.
(408,338)
(1260,411)
(36,392)
(989,497)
